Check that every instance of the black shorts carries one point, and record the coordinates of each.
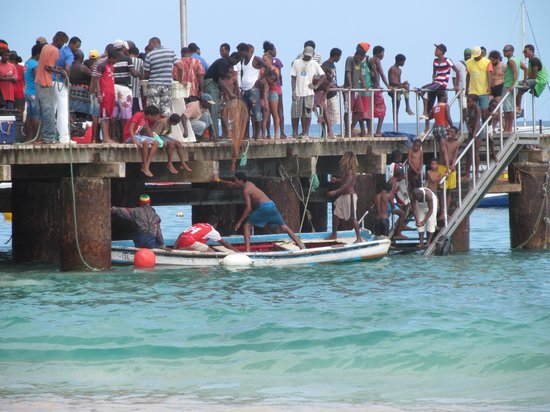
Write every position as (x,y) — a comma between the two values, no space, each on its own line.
(382,227)
(496,91)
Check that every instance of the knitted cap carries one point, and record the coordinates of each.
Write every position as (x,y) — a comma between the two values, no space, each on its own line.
(144,200)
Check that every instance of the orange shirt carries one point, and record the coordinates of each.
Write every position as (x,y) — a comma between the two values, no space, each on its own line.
(440,114)
(48,57)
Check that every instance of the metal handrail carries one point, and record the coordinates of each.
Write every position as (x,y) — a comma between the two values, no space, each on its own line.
(470,145)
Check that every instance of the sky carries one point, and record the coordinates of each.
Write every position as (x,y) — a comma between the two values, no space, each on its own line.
(400,26)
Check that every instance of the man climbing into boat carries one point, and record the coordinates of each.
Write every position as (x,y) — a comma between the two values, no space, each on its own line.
(195,237)
(260,210)
(345,205)
(147,222)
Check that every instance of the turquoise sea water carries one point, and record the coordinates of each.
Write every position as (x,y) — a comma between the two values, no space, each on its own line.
(465,332)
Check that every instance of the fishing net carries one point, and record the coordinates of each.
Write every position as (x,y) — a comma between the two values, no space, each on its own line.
(235,118)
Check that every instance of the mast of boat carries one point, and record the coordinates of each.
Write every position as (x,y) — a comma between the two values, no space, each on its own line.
(183,22)
(523,99)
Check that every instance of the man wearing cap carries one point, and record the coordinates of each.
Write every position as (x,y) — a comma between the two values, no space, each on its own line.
(146,221)
(198,113)
(316,56)
(440,78)
(478,79)
(61,90)
(302,73)
(41,40)
(157,69)
(511,77)
(44,85)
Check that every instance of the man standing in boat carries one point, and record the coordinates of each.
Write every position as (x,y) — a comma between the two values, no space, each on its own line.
(345,205)
(260,210)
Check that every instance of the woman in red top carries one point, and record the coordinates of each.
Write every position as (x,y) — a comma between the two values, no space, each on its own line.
(19,90)
(8,79)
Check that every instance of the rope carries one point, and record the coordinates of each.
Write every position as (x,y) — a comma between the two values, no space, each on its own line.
(67,83)
(285,176)
(244,158)
(540,217)
(313,179)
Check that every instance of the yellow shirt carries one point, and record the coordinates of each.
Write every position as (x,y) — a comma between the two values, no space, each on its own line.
(479,78)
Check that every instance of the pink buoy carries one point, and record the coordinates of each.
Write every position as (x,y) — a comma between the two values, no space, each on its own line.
(144,258)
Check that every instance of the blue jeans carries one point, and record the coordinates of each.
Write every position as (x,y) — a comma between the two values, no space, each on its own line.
(46,98)
(252,99)
(211,87)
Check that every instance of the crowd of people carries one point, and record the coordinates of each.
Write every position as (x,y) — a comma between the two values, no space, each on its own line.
(58,84)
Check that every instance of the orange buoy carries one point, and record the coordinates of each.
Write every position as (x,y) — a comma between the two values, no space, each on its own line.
(144,258)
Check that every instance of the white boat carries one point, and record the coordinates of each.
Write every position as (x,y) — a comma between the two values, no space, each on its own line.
(269,250)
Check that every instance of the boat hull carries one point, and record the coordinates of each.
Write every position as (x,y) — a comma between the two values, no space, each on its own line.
(372,248)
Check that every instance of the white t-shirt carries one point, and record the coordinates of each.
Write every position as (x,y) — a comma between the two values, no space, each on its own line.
(304,73)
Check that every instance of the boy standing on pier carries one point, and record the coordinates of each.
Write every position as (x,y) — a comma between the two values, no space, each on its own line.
(345,205)
(416,161)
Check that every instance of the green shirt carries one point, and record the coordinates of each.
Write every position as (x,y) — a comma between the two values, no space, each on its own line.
(509,74)
(540,80)
(365,73)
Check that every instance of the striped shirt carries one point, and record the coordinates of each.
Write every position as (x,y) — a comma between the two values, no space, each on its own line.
(138,65)
(442,69)
(159,63)
(122,71)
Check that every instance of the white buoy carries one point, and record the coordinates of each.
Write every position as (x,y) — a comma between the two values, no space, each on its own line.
(237,259)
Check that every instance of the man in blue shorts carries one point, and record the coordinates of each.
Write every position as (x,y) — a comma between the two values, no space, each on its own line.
(265,212)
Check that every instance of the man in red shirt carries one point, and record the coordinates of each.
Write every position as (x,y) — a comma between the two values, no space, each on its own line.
(138,131)
(196,237)
(44,85)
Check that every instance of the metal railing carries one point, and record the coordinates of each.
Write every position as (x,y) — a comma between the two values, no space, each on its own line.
(471,147)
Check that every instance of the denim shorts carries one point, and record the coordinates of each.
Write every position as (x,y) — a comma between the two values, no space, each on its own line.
(33,107)
(140,139)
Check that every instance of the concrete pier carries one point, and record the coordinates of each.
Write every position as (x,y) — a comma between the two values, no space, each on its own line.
(105,175)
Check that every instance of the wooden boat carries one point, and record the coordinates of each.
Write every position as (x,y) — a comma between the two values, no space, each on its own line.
(269,250)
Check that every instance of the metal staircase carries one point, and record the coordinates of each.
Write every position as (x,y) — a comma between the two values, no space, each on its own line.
(480,187)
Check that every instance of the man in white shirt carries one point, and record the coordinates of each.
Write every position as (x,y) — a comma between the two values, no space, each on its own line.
(303,72)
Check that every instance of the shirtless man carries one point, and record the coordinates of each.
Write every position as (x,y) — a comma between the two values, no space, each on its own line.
(384,206)
(394,78)
(448,154)
(345,205)
(377,73)
(416,161)
(259,211)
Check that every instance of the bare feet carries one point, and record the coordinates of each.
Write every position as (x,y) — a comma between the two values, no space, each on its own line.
(420,246)
(378,135)
(185,166)
(331,237)
(108,140)
(171,168)
(147,172)
(400,237)
(359,240)
(409,111)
